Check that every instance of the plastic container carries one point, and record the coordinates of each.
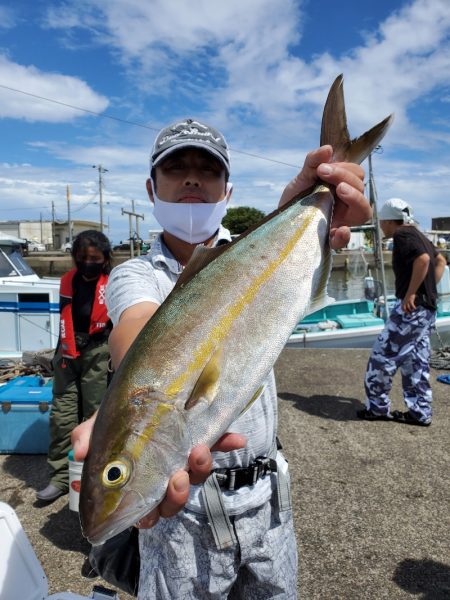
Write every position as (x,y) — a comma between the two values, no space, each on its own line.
(21,574)
(75,470)
(25,403)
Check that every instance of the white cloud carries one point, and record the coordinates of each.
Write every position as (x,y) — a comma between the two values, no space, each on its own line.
(234,61)
(237,56)
(36,83)
(7,18)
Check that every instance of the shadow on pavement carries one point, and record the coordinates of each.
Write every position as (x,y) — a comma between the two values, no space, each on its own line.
(427,578)
(337,408)
(31,469)
(62,529)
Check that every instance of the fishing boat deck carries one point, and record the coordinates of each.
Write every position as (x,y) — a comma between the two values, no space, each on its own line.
(370,499)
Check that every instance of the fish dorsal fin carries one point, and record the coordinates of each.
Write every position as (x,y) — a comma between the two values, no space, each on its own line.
(201,257)
(335,131)
(206,386)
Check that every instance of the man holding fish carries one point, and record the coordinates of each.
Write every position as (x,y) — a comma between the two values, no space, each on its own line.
(233,536)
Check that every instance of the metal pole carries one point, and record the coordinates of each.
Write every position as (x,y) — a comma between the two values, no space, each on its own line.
(69,223)
(138,237)
(130,228)
(101,170)
(132,214)
(53,225)
(378,234)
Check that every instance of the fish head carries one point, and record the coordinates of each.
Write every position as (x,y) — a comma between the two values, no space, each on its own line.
(135,446)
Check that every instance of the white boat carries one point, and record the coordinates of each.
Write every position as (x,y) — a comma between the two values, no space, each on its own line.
(355,324)
(29,305)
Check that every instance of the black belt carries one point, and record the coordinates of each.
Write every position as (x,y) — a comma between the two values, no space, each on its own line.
(233,479)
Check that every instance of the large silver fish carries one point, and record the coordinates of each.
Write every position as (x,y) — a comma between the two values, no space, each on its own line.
(203,356)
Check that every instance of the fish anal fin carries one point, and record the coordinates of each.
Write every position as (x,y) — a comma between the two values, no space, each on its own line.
(335,131)
(206,386)
(200,258)
(252,400)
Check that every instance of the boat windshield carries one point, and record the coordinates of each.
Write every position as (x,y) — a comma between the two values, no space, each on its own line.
(12,263)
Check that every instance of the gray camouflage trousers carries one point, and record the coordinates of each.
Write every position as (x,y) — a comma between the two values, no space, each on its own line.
(179,559)
(403,344)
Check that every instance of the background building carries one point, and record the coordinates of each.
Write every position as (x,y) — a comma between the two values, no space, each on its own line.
(53,234)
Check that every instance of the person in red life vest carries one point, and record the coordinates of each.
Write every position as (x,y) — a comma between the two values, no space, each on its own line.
(81,358)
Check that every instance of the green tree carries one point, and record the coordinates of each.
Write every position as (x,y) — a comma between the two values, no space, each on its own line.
(239,219)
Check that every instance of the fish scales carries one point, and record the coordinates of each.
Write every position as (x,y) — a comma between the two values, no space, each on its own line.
(202,357)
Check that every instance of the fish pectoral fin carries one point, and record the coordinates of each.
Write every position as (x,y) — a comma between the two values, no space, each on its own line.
(255,396)
(206,386)
(201,257)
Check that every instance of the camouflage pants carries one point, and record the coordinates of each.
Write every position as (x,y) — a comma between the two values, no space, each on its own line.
(403,344)
(180,561)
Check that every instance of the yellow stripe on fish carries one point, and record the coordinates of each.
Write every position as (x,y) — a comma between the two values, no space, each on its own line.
(221,330)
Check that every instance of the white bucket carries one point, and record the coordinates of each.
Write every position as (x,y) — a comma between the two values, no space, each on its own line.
(75,469)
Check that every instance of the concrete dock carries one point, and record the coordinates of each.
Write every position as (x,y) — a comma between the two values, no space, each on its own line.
(55,264)
(371,499)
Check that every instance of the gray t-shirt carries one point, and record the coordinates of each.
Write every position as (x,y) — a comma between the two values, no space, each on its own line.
(151,278)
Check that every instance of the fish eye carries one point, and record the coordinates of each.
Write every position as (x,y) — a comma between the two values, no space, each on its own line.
(115,474)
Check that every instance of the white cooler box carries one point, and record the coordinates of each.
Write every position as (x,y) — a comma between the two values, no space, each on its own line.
(21,574)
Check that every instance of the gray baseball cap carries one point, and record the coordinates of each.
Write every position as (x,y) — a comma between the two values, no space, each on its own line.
(190,134)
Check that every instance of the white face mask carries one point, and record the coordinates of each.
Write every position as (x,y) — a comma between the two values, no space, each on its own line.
(194,223)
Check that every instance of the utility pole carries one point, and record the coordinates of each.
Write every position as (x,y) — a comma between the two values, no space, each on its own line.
(138,216)
(379,260)
(101,170)
(53,225)
(69,223)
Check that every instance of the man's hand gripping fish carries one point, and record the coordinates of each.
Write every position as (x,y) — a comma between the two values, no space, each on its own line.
(201,359)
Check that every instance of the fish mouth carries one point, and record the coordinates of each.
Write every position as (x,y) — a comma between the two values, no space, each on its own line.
(127,514)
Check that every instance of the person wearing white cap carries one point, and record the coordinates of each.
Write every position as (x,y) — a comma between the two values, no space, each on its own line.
(185,557)
(405,341)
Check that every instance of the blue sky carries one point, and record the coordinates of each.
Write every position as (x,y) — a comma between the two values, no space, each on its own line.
(258,70)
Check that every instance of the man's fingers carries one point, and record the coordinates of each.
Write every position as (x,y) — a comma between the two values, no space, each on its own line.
(230,441)
(339,238)
(338,173)
(200,464)
(149,520)
(176,496)
(80,437)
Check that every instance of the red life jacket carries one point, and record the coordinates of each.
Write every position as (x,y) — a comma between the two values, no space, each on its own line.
(99,314)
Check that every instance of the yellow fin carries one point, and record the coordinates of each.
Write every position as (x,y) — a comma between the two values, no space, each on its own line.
(252,400)
(207,383)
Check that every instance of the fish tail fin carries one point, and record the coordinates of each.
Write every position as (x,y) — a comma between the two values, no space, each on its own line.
(335,131)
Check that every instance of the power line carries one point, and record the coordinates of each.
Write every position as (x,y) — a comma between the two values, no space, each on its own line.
(106,116)
(23,208)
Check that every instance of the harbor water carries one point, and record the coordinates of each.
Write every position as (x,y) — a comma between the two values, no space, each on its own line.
(347,284)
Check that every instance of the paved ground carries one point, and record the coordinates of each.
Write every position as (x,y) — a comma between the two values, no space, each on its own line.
(371,499)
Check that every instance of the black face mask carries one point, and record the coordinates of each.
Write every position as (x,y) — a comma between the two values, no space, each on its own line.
(90,270)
